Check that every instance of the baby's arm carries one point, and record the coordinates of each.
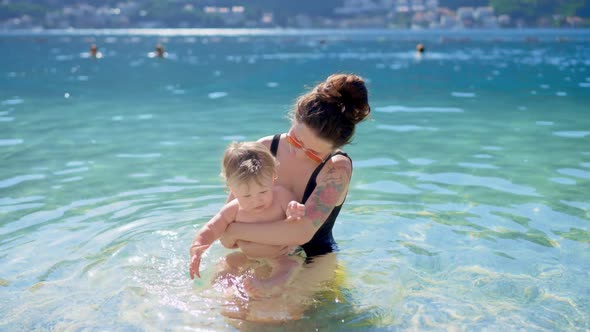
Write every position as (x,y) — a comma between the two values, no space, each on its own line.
(212,231)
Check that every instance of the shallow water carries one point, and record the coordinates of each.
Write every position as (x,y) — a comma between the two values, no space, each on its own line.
(468,207)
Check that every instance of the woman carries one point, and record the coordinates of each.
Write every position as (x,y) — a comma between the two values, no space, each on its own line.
(312,166)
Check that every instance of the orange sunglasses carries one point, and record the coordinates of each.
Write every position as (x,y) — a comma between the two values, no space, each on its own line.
(297,144)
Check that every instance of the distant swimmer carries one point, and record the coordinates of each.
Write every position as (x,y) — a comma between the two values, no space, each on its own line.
(94,53)
(419,51)
(159,53)
(420,48)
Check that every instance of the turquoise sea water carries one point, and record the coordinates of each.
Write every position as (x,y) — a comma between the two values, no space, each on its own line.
(468,208)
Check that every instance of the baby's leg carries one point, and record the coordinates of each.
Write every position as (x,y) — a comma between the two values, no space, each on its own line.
(231,265)
(283,269)
(236,261)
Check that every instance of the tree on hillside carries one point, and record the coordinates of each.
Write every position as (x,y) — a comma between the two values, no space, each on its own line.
(454,4)
(531,10)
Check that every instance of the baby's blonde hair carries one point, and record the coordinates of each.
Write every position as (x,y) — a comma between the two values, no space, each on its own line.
(247,161)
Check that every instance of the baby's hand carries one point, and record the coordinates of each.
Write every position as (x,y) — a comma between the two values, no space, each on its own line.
(196,252)
(295,211)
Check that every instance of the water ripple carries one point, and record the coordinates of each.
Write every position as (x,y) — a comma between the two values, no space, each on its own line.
(477,165)
(13,101)
(405,128)
(460,179)
(463,94)
(389,187)
(580,205)
(236,138)
(435,189)
(376,162)
(217,95)
(42,216)
(72,170)
(5,142)
(181,179)
(421,161)
(155,190)
(572,134)
(11,201)
(72,179)
(562,180)
(399,108)
(544,123)
(139,156)
(577,173)
(19,179)
(17,207)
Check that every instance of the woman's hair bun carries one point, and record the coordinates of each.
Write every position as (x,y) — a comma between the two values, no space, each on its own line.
(349,93)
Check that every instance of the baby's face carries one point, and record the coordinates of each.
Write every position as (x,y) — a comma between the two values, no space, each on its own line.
(254,196)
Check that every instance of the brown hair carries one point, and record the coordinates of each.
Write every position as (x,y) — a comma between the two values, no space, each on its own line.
(247,161)
(334,107)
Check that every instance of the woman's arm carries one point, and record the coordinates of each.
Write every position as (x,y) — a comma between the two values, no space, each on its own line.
(257,250)
(273,233)
(331,189)
(252,249)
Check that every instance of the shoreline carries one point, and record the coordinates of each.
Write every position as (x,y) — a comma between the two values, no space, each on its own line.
(529,34)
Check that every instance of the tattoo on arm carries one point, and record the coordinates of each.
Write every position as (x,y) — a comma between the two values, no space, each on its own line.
(326,196)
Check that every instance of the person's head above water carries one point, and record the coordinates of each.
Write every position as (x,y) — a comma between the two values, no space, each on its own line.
(247,162)
(331,110)
(160,50)
(249,170)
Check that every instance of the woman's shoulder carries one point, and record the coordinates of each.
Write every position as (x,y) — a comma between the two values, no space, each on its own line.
(338,165)
(341,159)
(267,140)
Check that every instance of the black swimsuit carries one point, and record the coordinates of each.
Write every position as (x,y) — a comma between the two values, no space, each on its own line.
(323,241)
